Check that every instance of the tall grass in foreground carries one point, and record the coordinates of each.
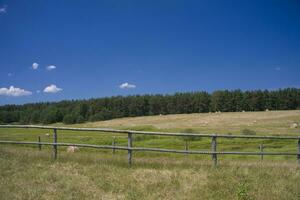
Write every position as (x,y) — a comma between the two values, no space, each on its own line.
(26,173)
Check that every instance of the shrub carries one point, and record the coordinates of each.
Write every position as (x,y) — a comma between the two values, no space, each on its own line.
(248,132)
(243,191)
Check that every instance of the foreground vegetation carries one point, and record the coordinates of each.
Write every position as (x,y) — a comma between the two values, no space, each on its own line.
(31,174)
(27,173)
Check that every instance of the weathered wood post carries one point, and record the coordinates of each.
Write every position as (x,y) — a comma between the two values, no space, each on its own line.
(54,144)
(186,147)
(298,156)
(214,149)
(129,148)
(114,144)
(40,145)
(261,150)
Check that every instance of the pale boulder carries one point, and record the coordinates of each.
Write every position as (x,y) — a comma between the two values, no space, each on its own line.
(72,149)
(294,125)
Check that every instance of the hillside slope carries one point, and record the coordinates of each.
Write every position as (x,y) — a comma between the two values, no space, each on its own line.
(271,122)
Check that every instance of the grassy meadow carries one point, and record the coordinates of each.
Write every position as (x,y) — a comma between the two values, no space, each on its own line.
(27,173)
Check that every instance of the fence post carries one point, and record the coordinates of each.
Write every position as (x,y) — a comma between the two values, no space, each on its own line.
(54,144)
(40,146)
(214,149)
(186,147)
(129,146)
(261,149)
(298,156)
(114,144)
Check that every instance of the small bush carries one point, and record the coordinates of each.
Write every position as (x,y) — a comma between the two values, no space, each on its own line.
(242,192)
(248,132)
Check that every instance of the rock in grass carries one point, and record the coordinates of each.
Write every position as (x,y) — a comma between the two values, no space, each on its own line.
(294,125)
(72,149)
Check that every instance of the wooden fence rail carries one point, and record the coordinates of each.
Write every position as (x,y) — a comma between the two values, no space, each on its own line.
(129,148)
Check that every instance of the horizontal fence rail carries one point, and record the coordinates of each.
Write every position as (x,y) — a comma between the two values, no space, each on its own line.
(151,133)
(148,149)
(130,147)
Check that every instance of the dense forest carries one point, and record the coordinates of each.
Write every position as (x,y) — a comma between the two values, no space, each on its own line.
(79,111)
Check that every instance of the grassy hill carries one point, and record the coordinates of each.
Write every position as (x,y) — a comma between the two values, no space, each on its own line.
(272,122)
(26,173)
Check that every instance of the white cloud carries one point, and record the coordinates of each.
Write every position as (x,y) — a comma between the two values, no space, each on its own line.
(277,68)
(35,66)
(3,9)
(127,86)
(51,67)
(52,89)
(14,92)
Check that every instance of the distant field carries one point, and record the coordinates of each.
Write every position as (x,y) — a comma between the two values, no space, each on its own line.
(26,173)
(272,122)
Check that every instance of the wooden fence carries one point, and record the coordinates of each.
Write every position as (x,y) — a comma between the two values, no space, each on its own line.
(129,148)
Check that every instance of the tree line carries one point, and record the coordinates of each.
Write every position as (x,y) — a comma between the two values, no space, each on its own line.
(79,111)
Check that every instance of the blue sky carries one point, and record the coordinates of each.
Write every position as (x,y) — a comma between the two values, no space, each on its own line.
(105,48)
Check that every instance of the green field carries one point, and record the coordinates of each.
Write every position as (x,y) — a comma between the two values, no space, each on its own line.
(27,173)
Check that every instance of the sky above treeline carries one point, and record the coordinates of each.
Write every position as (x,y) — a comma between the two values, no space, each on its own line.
(54,50)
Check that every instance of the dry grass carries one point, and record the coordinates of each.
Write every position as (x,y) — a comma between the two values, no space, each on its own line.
(29,174)
(26,173)
(276,122)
